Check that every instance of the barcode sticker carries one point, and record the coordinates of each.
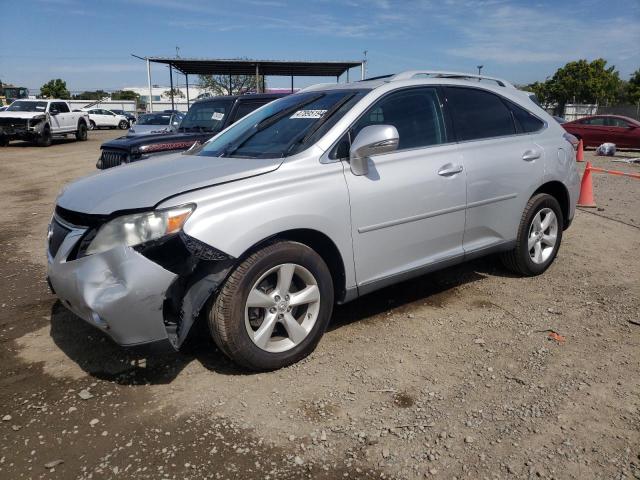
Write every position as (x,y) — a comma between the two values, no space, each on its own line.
(217,116)
(308,114)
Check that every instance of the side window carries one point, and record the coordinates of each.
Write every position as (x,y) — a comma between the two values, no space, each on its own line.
(62,107)
(618,122)
(416,114)
(598,122)
(245,108)
(525,120)
(478,114)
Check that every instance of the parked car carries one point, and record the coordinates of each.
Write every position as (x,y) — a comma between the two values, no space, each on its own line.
(316,198)
(100,118)
(156,123)
(130,116)
(204,119)
(3,108)
(598,129)
(41,120)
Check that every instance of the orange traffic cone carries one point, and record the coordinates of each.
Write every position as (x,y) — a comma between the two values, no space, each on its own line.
(586,189)
(580,152)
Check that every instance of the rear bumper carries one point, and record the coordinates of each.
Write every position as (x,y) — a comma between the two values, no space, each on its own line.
(118,291)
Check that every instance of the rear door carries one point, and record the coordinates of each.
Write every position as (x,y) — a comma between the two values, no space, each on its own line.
(503,163)
(621,132)
(408,211)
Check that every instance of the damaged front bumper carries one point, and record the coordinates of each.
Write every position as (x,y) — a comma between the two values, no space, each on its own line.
(129,294)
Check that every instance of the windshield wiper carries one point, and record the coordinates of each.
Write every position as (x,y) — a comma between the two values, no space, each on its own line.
(304,136)
(267,122)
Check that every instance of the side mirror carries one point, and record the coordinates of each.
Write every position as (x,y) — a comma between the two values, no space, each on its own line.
(372,140)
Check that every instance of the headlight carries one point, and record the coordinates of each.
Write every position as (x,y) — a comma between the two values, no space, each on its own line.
(36,120)
(137,228)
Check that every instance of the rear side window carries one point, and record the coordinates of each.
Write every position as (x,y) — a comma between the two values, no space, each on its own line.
(478,114)
(525,120)
(415,113)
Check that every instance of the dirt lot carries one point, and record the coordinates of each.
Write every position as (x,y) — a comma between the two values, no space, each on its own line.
(448,376)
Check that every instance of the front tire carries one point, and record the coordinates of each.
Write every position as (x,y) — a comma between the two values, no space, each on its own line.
(123,125)
(44,139)
(81,133)
(274,307)
(539,237)
(92,125)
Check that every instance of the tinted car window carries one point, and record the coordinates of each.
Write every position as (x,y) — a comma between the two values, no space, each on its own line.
(154,119)
(478,114)
(618,122)
(245,108)
(19,106)
(415,113)
(525,120)
(209,116)
(594,121)
(61,107)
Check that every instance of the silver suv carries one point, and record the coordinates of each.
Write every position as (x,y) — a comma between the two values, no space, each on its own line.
(315,198)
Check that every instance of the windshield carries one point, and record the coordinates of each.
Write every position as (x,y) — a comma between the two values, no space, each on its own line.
(284,127)
(154,119)
(19,106)
(206,116)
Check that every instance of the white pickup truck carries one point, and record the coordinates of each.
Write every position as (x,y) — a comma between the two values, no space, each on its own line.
(41,120)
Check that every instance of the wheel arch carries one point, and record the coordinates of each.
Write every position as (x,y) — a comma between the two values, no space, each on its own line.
(561,194)
(322,245)
(82,121)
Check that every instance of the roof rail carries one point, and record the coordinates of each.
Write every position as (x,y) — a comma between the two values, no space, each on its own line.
(409,74)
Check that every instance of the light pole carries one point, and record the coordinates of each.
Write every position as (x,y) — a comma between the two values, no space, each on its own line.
(480,67)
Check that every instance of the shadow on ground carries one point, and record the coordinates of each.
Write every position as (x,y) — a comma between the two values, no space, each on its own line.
(95,353)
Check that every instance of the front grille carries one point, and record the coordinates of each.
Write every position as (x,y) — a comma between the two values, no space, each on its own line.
(11,122)
(112,158)
(57,234)
(80,219)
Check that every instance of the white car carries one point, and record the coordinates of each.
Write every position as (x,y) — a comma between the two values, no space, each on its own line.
(99,117)
(39,121)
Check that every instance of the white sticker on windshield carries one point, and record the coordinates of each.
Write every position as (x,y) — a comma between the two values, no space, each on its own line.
(40,108)
(217,116)
(308,114)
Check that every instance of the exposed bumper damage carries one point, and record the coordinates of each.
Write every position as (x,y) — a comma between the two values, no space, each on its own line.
(150,294)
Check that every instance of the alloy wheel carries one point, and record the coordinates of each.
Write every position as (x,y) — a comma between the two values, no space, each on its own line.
(282,308)
(543,235)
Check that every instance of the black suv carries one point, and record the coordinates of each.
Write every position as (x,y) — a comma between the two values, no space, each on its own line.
(204,119)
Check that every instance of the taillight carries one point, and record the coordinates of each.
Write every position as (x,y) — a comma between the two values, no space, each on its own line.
(572,140)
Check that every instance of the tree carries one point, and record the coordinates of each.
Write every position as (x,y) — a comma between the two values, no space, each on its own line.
(87,95)
(581,82)
(55,89)
(176,93)
(219,84)
(124,95)
(633,87)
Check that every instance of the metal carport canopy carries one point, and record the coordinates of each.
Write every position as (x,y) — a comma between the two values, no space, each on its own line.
(213,66)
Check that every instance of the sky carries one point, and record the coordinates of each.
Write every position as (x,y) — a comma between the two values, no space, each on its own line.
(89,43)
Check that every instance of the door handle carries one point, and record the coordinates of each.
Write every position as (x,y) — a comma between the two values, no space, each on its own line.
(449,170)
(530,155)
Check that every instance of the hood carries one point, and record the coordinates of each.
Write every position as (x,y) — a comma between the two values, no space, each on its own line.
(148,129)
(6,114)
(145,184)
(124,143)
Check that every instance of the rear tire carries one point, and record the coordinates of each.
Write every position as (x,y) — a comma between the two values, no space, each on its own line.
(285,329)
(44,139)
(539,237)
(81,133)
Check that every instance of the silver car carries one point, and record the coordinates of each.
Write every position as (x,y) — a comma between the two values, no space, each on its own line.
(151,123)
(314,199)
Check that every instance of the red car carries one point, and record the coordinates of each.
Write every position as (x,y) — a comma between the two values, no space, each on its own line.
(598,129)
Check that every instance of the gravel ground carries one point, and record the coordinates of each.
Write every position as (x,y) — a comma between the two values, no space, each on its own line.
(452,375)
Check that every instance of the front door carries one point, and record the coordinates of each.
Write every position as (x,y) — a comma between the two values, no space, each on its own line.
(408,212)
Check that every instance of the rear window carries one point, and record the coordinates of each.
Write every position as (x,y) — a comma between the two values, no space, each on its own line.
(478,114)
